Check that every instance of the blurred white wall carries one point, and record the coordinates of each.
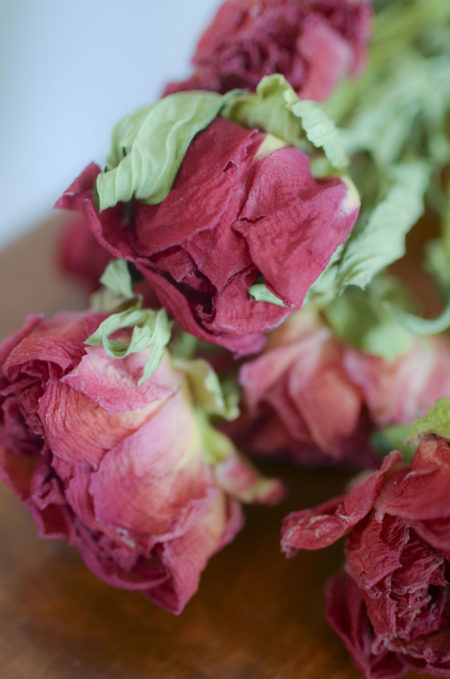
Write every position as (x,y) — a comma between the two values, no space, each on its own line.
(69,70)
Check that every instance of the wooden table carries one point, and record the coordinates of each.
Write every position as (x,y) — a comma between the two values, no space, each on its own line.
(256,615)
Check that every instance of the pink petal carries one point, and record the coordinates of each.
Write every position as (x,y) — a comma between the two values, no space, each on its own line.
(79,431)
(113,383)
(421,493)
(347,616)
(329,57)
(402,389)
(147,481)
(317,528)
(185,557)
(244,482)
(293,229)
(58,341)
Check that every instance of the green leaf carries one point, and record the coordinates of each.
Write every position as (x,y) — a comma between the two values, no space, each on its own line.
(276,109)
(383,122)
(151,330)
(367,322)
(425,326)
(378,239)
(395,437)
(406,33)
(436,422)
(216,446)
(437,257)
(394,122)
(233,473)
(207,390)
(320,130)
(323,290)
(261,293)
(437,262)
(184,345)
(232,396)
(149,145)
(117,278)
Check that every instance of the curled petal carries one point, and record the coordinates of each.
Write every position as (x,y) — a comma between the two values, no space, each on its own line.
(317,528)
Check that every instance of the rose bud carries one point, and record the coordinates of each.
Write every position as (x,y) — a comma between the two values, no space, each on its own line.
(313,43)
(317,399)
(391,605)
(243,206)
(98,461)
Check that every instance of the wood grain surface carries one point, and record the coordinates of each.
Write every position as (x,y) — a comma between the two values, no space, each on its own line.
(256,615)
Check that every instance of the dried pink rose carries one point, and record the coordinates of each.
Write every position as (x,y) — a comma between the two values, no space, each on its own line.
(313,43)
(98,461)
(235,212)
(317,399)
(391,605)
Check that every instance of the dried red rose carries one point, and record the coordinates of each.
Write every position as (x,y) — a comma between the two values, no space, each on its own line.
(235,212)
(97,461)
(317,399)
(313,43)
(391,606)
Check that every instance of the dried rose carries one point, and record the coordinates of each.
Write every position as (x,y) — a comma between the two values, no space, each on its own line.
(243,206)
(391,606)
(313,43)
(123,472)
(319,399)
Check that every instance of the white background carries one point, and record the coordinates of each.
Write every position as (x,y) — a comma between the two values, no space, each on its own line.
(69,70)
